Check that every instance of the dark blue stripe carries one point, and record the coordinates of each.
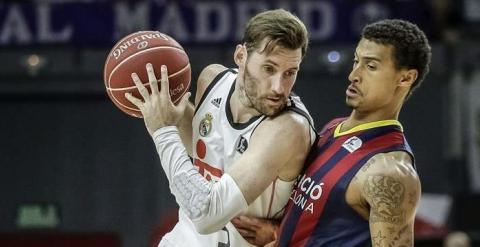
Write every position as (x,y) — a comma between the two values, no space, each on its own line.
(292,221)
(289,229)
(365,137)
(317,151)
(336,203)
(410,151)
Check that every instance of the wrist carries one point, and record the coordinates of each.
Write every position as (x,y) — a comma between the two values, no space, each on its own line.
(164,130)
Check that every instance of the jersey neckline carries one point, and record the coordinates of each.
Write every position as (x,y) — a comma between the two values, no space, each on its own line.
(366,126)
(228,111)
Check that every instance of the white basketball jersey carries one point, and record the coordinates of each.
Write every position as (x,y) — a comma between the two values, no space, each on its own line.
(217,143)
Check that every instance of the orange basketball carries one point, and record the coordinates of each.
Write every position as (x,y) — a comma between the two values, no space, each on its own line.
(131,54)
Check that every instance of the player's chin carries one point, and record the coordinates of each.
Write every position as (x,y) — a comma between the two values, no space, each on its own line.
(272,111)
(351,103)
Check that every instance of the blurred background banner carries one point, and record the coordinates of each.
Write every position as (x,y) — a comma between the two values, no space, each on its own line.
(73,167)
(83,22)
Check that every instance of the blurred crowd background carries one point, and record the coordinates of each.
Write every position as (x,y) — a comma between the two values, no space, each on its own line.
(76,171)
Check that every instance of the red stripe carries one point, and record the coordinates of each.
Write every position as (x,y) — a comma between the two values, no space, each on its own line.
(330,179)
(327,154)
(324,137)
(288,211)
(207,171)
(330,125)
(317,164)
(328,130)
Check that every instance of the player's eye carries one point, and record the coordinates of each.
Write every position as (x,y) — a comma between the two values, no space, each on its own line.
(269,69)
(290,73)
(371,67)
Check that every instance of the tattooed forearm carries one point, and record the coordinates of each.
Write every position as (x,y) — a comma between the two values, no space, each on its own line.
(402,238)
(393,237)
(377,239)
(385,196)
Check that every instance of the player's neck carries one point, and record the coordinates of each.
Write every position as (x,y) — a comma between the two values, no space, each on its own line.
(357,118)
(390,111)
(241,107)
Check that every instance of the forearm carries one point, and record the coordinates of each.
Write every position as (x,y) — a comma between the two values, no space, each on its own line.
(385,234)
(209,206)
(185,128)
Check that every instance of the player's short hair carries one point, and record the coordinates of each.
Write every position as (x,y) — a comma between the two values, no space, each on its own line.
(280,27)
(411,49)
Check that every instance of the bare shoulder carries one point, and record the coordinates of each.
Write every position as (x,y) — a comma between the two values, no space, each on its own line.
(285,141)
(206,77)
(397,165)
(288,124)
(391,187)
(287,129)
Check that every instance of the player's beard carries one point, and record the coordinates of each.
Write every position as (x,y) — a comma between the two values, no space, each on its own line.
(259,103)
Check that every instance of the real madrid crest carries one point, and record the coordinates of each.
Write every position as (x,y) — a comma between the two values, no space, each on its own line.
(205,125)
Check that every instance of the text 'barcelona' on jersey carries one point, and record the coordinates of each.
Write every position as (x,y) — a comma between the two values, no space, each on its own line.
(317,213)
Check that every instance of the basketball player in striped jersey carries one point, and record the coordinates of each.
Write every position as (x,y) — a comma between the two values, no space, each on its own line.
(360,186)
(250,134)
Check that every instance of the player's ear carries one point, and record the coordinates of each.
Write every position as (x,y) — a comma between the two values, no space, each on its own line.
(408,77)
(240,55)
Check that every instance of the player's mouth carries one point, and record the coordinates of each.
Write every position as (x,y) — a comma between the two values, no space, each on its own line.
(352,91)
(274,100)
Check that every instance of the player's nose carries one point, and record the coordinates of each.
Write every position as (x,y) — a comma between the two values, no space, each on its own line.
(277,85)
(354,75)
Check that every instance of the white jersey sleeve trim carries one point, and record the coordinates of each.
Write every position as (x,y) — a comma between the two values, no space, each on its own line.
(209,206)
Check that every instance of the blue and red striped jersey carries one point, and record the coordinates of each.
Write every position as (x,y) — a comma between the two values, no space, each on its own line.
(317,213)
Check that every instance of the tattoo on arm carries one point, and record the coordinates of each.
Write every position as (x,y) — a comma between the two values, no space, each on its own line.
(377,239)
(390,239)
(412,198)
(386,196)
(400,239)
(366,166)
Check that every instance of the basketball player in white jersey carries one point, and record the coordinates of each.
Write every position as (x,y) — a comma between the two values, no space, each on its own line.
(250,134)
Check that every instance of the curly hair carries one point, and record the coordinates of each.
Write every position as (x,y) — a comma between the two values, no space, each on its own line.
(411,49)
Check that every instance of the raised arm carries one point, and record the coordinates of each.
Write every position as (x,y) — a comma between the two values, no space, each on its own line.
(391,188)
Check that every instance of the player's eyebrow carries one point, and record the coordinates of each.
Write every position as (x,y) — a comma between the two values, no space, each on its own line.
(271,61)
(372,58)
(276,64)
(369,57)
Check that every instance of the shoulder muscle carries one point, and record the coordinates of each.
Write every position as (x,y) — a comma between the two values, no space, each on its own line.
(206,77)
(286,135)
